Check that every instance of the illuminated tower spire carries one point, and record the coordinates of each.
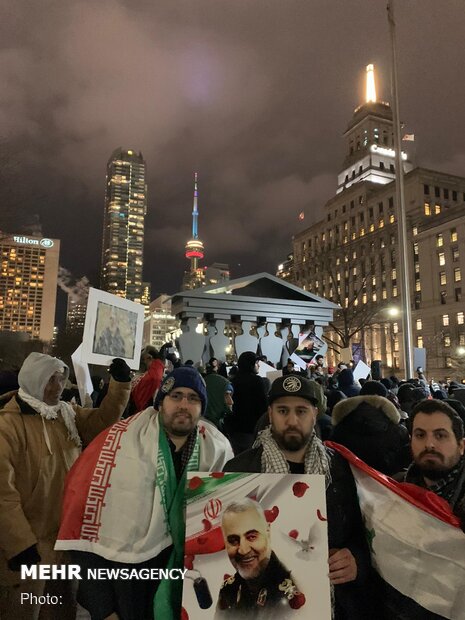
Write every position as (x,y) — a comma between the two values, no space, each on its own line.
(370,87)
(194,247)
(195,212)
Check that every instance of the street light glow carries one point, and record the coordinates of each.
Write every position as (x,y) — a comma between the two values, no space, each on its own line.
(393,311)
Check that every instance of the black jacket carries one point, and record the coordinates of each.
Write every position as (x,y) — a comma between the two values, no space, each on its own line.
(345,529)
(250,402)
(369,427)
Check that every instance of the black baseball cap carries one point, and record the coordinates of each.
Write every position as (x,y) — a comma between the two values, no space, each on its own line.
(293,385)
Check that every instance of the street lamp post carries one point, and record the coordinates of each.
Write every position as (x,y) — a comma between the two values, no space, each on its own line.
(401,215)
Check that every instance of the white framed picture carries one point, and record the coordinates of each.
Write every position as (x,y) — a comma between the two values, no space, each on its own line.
(113,328)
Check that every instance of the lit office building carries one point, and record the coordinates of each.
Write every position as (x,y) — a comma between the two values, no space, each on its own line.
(160,325)
(123,226)
(28,285)
(351,255)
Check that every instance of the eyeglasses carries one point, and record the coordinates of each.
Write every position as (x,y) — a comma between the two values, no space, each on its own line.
(178,397)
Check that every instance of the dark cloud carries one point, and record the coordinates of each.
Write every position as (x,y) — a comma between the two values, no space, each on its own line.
(254,95)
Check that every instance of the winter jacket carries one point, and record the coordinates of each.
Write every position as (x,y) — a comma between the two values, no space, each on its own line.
(216,406)
(369,427)
(346,384)
(32,476)
(250,402)
(345,530)
(145,389)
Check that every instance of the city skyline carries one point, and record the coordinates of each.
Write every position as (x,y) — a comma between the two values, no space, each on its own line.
(255,98)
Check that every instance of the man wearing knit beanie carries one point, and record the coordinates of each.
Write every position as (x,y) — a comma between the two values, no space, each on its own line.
(140,522)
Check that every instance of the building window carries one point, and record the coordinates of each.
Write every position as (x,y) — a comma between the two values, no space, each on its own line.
(394,291)
(380,207)
(419,324)
(446,194)
(457,274)
(455,254)
(448,362)
(442,278)
(437,209)
(453,235)
(442,259)
(443,297)
(437,191)
(392,218)
(381,223)
(427,208)
(420,342)
(445,320)
(418,286)
(391,202)
(454,195)
(446,340)
(461,339)
(426,190)
(439,241)
(459,318)
(417,301)
(415,231)
(458,294)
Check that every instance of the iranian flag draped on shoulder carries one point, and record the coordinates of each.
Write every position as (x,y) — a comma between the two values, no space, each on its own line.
(416,543)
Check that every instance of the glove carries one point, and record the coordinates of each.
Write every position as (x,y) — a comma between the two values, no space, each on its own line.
(119,370)
(28,556)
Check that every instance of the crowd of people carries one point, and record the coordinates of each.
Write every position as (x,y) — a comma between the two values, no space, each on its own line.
(146,432)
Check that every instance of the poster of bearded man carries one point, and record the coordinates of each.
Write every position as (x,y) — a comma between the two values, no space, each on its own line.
(256,547)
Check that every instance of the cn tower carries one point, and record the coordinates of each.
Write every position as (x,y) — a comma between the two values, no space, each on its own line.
(194,248)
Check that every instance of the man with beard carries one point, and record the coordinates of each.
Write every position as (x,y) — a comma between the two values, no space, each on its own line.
(437,446)
(290,445)
(139,500)
(261,581)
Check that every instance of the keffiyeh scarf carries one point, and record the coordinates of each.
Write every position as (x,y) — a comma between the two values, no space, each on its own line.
(50,412)
(316,458)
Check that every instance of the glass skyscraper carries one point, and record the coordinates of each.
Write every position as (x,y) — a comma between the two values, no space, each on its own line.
(123,225)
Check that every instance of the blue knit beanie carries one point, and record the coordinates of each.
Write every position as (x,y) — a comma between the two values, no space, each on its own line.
(183,377)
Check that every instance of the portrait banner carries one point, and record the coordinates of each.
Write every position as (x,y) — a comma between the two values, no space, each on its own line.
(113,328)
(308,348)
(256,547)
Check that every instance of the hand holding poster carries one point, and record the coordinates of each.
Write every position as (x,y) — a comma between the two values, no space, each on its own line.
(256,546)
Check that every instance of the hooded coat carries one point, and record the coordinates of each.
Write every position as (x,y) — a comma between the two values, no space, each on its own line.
(369,427)
(35,455)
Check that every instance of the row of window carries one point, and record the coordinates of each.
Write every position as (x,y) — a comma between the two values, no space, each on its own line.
(360,202)
(446,193)
(446,319)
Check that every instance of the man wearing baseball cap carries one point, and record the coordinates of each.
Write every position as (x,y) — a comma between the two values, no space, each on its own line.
(141,507)
(290,445)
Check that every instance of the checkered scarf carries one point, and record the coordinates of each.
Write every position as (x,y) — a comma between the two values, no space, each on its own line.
(273,461)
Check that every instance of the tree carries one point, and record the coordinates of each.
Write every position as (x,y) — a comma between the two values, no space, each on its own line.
(350,275)
(15,347)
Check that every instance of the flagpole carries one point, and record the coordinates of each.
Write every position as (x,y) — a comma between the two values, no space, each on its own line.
(400,200)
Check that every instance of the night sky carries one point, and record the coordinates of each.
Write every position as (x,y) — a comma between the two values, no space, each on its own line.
(252,94)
